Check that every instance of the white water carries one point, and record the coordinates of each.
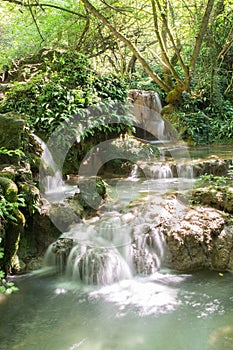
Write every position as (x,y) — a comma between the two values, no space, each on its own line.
(146,108)
(54,180)
(163,311)
(54,187)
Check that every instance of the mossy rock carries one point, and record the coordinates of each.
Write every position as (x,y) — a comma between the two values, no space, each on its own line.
(8,172)
(11,242)
(216,197)
(9,189)
(12,128)
(92,192)
(31,195)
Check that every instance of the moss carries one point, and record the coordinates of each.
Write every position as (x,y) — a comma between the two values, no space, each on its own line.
(12,128)
(9,189)
(11,243)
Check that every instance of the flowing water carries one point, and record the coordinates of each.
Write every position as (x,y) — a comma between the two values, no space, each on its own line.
(164,311)
(121,307)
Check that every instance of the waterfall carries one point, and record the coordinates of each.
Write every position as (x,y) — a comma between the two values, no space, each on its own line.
(53,177)
(146,108)
(119,245)
(115,247)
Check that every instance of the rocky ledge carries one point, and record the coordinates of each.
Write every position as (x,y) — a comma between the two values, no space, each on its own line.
(202,239)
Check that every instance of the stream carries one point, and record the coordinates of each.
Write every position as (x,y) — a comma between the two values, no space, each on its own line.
(164,311)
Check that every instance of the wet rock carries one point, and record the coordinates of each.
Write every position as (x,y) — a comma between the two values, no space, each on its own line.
(33,264)
(13,230)
(62,215)
(216,167)
(147,248)
(42,231)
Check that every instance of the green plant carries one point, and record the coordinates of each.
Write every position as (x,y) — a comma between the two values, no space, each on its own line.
(212,180)
(66,87)
(8,209)
(11,153)
(203,122)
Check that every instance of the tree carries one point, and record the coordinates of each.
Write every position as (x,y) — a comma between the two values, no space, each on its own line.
(159,12)
(165,36)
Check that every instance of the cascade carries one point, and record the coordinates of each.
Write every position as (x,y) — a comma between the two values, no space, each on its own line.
(114,247)
(146,108)
(53,178)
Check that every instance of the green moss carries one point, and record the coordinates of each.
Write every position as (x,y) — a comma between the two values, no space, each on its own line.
(9,189)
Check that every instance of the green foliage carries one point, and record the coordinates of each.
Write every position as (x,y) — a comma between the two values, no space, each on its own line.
(141,81)
(130,148)
(11,153)
(8,209)
(202,123)
(110,87)
(212,181)
(66,87)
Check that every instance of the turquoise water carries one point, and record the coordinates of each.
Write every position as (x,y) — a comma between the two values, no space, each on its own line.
(165,311)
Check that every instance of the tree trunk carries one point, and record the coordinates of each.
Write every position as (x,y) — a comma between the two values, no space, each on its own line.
(128,43)
(201,34)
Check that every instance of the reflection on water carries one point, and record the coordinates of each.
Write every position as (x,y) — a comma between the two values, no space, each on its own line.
(164,311)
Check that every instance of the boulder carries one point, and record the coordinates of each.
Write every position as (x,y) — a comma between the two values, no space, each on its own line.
(8,189)
(202,239)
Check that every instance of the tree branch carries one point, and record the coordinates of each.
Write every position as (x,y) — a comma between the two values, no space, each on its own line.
(128,43)
(41,5)
(86,29)
(201,34)
(177,51)
(36,24)
(161,43)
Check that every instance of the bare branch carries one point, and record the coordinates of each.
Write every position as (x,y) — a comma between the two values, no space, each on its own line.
(41,5)
(36,24)
(128,43)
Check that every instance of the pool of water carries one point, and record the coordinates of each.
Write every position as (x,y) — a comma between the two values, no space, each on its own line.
(221,151)
(164,311)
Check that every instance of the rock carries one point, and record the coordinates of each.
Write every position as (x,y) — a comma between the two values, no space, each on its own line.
(146,245)
(9,189)
(12,128)
(202,239)
(216,167)
(13,231)
(146,107)
(218,197)
(61,250)
(8,171)
(63,215)
(33,264)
